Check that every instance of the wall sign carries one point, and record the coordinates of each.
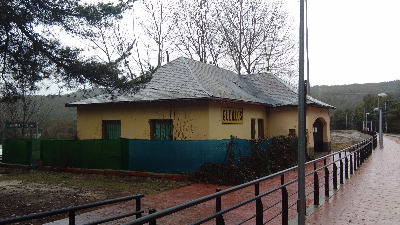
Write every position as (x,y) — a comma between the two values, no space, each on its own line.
(232,115)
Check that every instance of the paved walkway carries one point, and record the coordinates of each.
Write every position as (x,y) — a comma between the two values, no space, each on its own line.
(371,196)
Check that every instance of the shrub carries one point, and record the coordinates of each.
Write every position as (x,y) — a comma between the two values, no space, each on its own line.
(265,158)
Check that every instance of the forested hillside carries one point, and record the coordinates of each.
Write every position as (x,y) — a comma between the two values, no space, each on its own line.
(350,96)
(356,104)
(49,112)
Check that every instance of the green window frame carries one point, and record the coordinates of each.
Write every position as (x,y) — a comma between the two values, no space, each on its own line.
(161,129)
(111,129)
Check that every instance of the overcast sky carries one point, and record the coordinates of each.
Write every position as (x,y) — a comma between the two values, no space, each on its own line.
(352,41)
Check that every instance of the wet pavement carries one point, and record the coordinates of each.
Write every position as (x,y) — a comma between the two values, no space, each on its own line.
(371,196)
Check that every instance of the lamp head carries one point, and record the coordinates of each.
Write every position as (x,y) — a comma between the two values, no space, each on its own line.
(382,95)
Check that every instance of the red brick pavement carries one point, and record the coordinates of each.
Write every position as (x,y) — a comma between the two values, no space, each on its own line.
(185,194)
(371,196)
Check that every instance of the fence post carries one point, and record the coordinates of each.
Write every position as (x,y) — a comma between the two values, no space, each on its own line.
(341,171)
(285,207)
(220,219)
(334,174)
(326,182)
(346,168)
(138,207)
(153,222)
(351,163)
(362,155)
(358,158)
(71,216)
(259,206)
(316,188)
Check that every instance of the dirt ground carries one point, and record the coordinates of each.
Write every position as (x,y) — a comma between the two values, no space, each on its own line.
(24,191)
(341,139)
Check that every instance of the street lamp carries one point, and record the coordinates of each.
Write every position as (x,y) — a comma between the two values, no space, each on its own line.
(366,121)
(380,120)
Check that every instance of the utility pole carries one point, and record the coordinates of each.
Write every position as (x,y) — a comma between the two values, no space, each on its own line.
(308,61)
(301,206)
(385,119)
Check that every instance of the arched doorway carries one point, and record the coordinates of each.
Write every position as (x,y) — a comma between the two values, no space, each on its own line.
(318,134)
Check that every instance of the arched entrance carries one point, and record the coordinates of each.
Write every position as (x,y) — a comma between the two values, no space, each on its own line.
(318,134)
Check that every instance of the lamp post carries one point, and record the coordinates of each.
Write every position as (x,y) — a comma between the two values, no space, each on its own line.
(380,120)
(366,121)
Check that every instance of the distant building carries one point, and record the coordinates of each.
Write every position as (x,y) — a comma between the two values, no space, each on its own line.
(190,100)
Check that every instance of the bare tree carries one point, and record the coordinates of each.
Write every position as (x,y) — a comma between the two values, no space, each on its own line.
(194,33)
(257,35)
(247,36)
(23,108)
(156,25)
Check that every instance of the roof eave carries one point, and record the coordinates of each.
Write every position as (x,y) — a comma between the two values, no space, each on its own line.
(172,100)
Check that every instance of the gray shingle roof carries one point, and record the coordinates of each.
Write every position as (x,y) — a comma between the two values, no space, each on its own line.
(187,79)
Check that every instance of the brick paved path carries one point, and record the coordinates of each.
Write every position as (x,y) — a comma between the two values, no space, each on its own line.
(371,196)
(185,194)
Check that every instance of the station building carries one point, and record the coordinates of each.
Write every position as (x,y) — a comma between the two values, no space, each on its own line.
(191,100)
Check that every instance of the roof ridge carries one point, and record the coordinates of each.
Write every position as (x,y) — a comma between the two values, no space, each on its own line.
(195,77)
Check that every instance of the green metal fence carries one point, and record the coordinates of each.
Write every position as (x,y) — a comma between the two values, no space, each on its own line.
(166,156)
(17,152)
(180,156)
(88,154)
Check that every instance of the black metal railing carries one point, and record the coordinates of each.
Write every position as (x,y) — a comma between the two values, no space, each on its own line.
(348,159)
(72,211)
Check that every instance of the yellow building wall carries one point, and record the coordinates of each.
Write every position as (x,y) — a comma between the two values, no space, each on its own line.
(189,120)
(219,131)
(281,119)
(314,113)
(200,120)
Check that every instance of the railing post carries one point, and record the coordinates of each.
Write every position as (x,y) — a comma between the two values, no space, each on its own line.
(285,207)
(372,144)
(153,222)
(341,170)
(259,206)
(346,167)
(351,163)
(334,174)
(138,207)
(362,155)
(316,187)
(358,158)
(71,216)
(326,182)
(220,218)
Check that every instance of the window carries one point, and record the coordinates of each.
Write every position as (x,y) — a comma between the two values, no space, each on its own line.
(111,129)
(292,132)
(260,128)
(161,130)
(253,128)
